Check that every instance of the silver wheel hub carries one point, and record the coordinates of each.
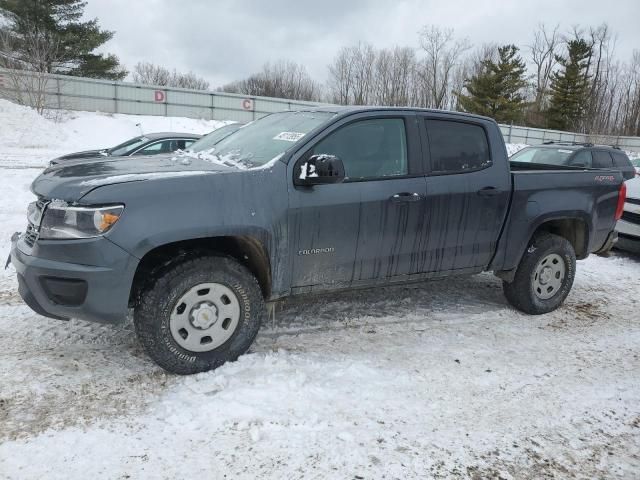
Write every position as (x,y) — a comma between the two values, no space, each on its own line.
(549,276)
(204,317)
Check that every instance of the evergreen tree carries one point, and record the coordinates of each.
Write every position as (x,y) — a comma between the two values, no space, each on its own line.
(38,24)
(570,87)
(497,90)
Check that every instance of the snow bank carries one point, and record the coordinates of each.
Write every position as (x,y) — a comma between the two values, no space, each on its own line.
(29,139)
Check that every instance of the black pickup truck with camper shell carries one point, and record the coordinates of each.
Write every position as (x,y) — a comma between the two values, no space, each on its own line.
(196,244)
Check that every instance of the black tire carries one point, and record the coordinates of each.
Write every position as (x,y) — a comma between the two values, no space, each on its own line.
(159,298)
(521,294)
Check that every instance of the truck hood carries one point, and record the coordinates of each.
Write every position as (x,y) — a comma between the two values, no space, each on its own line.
(73,179)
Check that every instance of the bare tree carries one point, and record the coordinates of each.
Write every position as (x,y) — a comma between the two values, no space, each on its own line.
(151,74)
(27,61)
(442,53)
(393,76)
(363,59)
(602,76)
(544,50)
(351,75)
(190,80)
(340,78)
(282,79)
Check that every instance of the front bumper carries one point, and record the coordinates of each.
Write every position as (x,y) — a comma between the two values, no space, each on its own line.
(85,279)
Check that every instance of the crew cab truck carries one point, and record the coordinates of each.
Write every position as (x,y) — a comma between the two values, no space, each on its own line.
(296,203)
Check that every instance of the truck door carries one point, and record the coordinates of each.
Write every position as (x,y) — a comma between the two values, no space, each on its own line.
(468,190)
(366,228)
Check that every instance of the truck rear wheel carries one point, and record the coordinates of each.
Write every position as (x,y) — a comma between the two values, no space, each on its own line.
(544,277)
(198,314)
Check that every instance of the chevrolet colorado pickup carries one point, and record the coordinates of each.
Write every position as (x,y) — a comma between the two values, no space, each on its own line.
(197,244)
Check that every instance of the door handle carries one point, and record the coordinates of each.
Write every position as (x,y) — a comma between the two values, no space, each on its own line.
(489,192)
(406,197)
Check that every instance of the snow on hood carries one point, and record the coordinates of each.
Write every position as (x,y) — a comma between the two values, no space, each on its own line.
(228,160)
(210,156)
(132,177)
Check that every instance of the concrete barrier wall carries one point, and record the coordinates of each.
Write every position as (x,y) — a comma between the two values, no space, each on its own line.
(76,93)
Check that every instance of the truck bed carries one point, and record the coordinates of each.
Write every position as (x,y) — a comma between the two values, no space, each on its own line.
(587,194)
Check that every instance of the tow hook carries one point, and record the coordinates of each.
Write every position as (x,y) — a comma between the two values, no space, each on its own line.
(14,238)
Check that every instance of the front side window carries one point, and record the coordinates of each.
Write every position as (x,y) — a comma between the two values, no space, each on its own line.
(457,147)
(368,149)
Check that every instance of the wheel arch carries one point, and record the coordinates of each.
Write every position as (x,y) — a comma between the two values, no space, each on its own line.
(246,249)
(573,228)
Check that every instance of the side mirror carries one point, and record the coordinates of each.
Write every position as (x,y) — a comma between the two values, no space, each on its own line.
(320,169)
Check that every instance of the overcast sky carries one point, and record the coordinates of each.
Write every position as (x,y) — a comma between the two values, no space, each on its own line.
(224,40)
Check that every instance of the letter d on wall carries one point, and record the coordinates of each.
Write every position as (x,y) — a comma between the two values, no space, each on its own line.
(159,96)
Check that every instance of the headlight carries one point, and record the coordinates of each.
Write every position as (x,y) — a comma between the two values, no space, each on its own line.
(63,221)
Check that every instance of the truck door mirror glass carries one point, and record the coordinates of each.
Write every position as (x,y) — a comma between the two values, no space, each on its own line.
(319,169)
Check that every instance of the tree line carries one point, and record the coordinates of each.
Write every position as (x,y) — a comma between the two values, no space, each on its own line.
(560,80)
(565,80)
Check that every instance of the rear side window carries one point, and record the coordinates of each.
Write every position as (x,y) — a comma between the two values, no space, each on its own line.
(602,159)
(457,147)
(620,159)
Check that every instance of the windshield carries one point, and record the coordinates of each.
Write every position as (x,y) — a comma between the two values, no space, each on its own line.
(208,141)
(549,156)
(127,146)
(635,162)
(263,140)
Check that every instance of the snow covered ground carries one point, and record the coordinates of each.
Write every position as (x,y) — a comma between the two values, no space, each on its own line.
(435,380)
(28,139)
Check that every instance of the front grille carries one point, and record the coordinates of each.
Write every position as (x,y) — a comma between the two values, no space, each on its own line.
(635,201)
(631,217)
(33,229)
(31,235)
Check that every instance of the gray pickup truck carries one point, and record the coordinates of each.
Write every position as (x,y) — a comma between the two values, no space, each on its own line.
(197,244)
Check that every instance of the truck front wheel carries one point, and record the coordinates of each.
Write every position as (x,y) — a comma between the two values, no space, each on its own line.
(544,277)
(198,314)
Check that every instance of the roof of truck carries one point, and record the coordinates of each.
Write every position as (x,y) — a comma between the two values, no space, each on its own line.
(345,109)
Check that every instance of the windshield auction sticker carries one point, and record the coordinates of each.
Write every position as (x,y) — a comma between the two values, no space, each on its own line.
(289,136)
